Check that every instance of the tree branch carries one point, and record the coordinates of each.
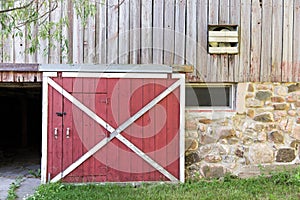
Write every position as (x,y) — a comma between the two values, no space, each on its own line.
(29,20)
(17,8)
(119,4)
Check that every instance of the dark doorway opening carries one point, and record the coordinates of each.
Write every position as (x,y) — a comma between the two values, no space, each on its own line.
(21,127)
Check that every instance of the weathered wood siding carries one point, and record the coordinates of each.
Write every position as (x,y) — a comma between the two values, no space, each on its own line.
(175,32)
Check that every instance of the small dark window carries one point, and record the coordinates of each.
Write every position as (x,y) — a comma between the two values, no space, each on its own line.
(203,95)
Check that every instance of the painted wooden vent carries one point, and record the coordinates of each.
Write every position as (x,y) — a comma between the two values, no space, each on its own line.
(223,39)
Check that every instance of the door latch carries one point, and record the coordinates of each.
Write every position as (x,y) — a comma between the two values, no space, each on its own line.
(60,114)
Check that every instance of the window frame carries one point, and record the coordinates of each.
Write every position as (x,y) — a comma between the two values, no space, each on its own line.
(232,96)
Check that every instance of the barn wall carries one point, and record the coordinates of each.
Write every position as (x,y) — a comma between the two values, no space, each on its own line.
(175,32)
(264,131)
(20,76)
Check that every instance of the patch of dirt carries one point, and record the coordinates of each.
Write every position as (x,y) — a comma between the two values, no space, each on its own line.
(19,163)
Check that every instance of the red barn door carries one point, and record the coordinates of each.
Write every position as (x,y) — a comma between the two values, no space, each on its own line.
(113,128)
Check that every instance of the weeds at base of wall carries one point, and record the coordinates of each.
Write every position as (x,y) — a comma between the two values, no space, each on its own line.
(13,187)
(35,173)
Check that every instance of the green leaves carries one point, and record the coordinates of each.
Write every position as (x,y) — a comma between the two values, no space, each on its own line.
(85,9)
(32,21)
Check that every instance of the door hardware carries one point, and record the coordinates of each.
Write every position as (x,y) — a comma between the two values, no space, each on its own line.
(68,133)
(60,114)
(55,133)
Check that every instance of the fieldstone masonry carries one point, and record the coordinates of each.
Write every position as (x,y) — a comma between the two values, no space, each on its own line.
(264,129)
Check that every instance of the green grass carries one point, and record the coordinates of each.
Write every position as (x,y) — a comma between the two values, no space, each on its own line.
(280,185)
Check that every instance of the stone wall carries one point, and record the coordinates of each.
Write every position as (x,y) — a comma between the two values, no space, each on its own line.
(264,129)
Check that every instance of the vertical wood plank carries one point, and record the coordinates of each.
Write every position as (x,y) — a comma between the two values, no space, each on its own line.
(74,122)
(266,42)
(148,130)
(70,17)
(77,39)
(67,15)
(212,58)
(255,41)
(20,77)
(8,53)
(112,31)
(245,41)
(234,63)
(77,135)
(125,154)
(78,147)
(124,33)
(86,165)
(90,41)
(56,143)
(38,76)
(33,30)
(1,41)
(50,130)
(43,50)
(276,40)
(146,32)
(135,105)
(161,137)
(287,48)
(172,136)
(7,77)
(112,160)
(86,36)
(223,70)
(130,130)
(55,52)
(19,45)
(158,34)
(101,38)
(180,13)
(89,88)
(169,27)
(30,57)
(1,48)
(191,33)
(98,169)
(202,56)
(100,133)
(67,123)
(135,38)
(89,136)
(296,42)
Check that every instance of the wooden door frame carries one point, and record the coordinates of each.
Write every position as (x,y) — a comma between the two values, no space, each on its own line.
(180,83)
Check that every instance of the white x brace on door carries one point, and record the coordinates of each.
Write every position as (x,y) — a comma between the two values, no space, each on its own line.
(176,82)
